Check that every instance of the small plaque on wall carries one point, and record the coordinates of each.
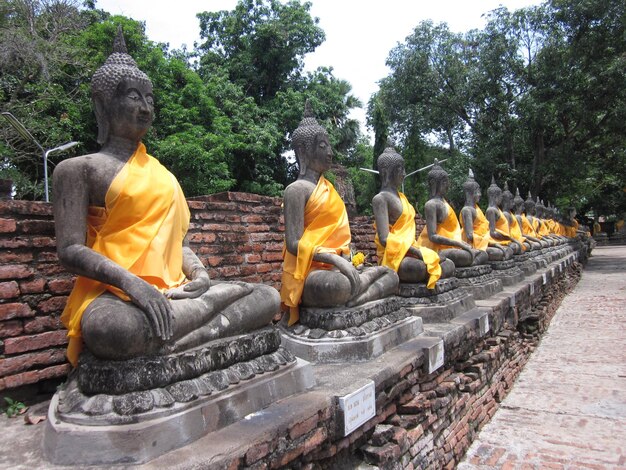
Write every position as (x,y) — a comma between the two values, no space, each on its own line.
(358,407)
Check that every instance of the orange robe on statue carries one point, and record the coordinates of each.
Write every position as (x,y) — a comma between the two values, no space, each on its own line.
(502,227)
(515,231)
(141,228)
(449,228)
(527,227)
(326,230)
(480,237)
(401,237)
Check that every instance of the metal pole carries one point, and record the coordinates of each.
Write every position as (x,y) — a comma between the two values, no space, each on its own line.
(60,148)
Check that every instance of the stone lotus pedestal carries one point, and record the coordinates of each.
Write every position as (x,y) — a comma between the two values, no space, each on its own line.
(444,302)
(507,272)
(478,281)
(341,334)
(525,263)
(114,412)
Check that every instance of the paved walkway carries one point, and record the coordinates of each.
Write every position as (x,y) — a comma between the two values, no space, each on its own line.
(567,409)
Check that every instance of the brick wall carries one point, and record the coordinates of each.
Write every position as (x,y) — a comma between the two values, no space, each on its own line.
(236,235)
(422,420)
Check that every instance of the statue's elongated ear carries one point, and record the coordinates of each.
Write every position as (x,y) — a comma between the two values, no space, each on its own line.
(102,118)
(301,161)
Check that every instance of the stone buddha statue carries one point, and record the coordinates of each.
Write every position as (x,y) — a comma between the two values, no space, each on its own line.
(515,229)
(396,246)
(498,223)
(442,232)
(317,271)
(544,228)
(476,226)
(525,226)
(121,221)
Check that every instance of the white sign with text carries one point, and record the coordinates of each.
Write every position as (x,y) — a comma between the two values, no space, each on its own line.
(358,407)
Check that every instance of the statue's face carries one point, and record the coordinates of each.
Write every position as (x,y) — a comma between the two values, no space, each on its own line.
(131,109)
(321,156)
(444,185)
(477,195)
(397,174)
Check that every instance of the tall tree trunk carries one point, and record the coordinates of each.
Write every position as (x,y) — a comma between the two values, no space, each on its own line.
(539,152)
(450,141)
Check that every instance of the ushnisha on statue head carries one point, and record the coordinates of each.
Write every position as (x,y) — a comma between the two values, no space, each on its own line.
(119,68)
(306,138)
(529,205)
(471,189)
(494,193)
(518,202)
(391,167)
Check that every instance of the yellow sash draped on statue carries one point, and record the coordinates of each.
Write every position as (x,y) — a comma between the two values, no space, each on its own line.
(449,228)
(401,237)
(527,227)
(326,230)
(542,228)
(502,227)
(480,237)
(516,231)
(141,228)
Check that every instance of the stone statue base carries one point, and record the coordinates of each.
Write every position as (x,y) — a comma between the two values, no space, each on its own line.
(507,272)
(144,414)
(525,263)
(442,303)
(478,281)
(342,334)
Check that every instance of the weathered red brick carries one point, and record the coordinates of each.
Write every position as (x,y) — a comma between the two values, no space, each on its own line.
(9,290)
(11,328)
(303,427)
(253,258)
(61,286)
(43,323)
(43,242)
(34,376)
(48,257)
(35,286)
(25,207)
(257,452)
(13,365)
(17,242)
(202,237)
(263,267)
(7,225)
(53,304)
(15,271)
(39,227)
(11,257)
(275,256)
(15,310)
(22,344)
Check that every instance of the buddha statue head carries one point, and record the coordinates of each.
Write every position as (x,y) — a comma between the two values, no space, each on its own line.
(471,189)
(391,167)
(494,193)
(539,208)
(529,205)
(571,213)
(122,95)
(507,198)
(310,144)
(438,181)
(518,202)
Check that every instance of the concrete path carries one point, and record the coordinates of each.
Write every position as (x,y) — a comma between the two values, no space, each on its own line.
(567,410)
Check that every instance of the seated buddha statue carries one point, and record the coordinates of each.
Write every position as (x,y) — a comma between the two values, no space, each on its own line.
(476,227)
(317,271)
(573,226)
(498,223)
(442,232)
(525,226)
(515,229)
(121,221)
(543,225)
(396,246)
(530,213)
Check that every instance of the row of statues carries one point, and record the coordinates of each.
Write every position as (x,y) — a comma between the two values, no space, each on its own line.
(121,224)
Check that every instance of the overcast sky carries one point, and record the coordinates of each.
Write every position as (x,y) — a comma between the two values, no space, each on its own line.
(359,33)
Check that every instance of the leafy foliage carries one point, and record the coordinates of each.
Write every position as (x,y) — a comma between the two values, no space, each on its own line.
(536,98)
